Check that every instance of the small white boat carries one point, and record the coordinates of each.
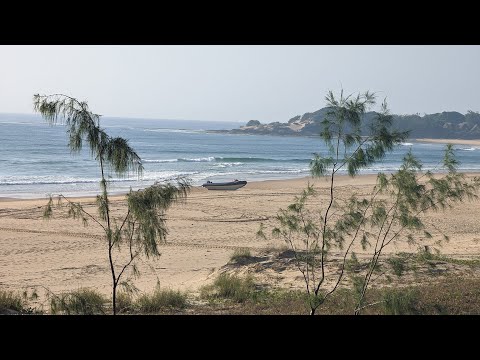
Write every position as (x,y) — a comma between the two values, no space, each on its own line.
(232,185)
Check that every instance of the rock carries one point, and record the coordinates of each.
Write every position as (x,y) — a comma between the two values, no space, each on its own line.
(253,123)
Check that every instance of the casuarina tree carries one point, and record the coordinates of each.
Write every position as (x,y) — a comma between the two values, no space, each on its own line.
(313,228)
(142,228)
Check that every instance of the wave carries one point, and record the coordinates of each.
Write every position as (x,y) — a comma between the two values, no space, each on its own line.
(469,149)
(406,144)
(204,159)
(184,131)
(64,180)
(227,164)
(17,122)
(119,127)
(278,171)
(58,181)
(255,159)
(159,161)
(225,160)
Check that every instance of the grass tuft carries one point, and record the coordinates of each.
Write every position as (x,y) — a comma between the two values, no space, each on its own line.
(241,255)
(161,300)
(398,264)
(79,302)
(230,287)
(400,302)
(10,300)
(125,302)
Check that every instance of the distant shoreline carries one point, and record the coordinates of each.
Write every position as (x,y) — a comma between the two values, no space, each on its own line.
(474,142)
(450,141)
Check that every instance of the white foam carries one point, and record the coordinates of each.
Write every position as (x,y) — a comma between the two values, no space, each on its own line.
(159,160)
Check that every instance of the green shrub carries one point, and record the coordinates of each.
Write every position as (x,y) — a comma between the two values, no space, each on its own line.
(79,302)
(398,264)
(230,287)
(125,302)
(400,302)
(353,264)
(161,300)
(424,255)
(12,301)
(241,254)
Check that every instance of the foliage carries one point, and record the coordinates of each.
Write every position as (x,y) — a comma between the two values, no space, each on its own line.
(253,123)
(143,227)
(230,287)
(447,124)
(12,301)
(161,300)
(240,254)
(398,264)
(399,302)
(79,302)
(392,213)
(125,302)
(425,256)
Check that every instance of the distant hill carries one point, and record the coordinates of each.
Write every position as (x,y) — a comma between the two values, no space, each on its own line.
(447,124)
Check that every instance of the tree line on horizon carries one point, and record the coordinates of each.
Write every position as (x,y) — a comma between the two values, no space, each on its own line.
(447,124)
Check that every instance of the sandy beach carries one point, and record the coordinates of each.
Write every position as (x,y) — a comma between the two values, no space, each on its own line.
(60,254)
(475,142)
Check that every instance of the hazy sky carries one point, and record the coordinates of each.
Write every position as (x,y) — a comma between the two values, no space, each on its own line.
(239,83)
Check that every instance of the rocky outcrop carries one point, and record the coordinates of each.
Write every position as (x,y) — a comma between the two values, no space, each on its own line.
(253,123)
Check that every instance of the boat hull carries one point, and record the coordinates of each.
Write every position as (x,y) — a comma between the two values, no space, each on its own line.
(225,186)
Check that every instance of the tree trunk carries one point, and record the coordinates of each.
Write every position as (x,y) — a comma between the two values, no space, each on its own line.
(114,299)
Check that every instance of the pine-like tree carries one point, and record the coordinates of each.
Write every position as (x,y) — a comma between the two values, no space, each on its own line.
(143,227)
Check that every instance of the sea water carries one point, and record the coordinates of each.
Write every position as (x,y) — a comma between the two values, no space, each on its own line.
(35,160)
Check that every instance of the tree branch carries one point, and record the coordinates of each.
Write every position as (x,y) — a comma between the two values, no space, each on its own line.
(81,208)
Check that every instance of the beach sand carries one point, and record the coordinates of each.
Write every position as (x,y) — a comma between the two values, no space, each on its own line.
(451,141)
(60,254)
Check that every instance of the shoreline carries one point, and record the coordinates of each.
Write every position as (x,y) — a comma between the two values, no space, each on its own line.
(474,142)
(271,184)
(62,255)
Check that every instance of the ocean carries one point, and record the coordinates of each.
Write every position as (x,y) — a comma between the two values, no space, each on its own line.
(35,160)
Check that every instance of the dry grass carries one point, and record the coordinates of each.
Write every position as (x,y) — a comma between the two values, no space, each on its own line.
(241,255)
(79,302)
(10,300)
(160,301)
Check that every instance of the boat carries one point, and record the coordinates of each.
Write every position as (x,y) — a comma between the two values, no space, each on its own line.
(232,185)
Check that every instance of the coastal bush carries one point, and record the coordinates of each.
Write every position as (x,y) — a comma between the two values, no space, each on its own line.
(241,254)
(398,264)
(125,302)
(143,227)
(231,287)
(272,302)
(400,301)
(391,213)
(161,299)
(79,302)
(10,300)
(427,257)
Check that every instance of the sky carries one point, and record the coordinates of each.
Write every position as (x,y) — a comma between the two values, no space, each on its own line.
(239,83)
